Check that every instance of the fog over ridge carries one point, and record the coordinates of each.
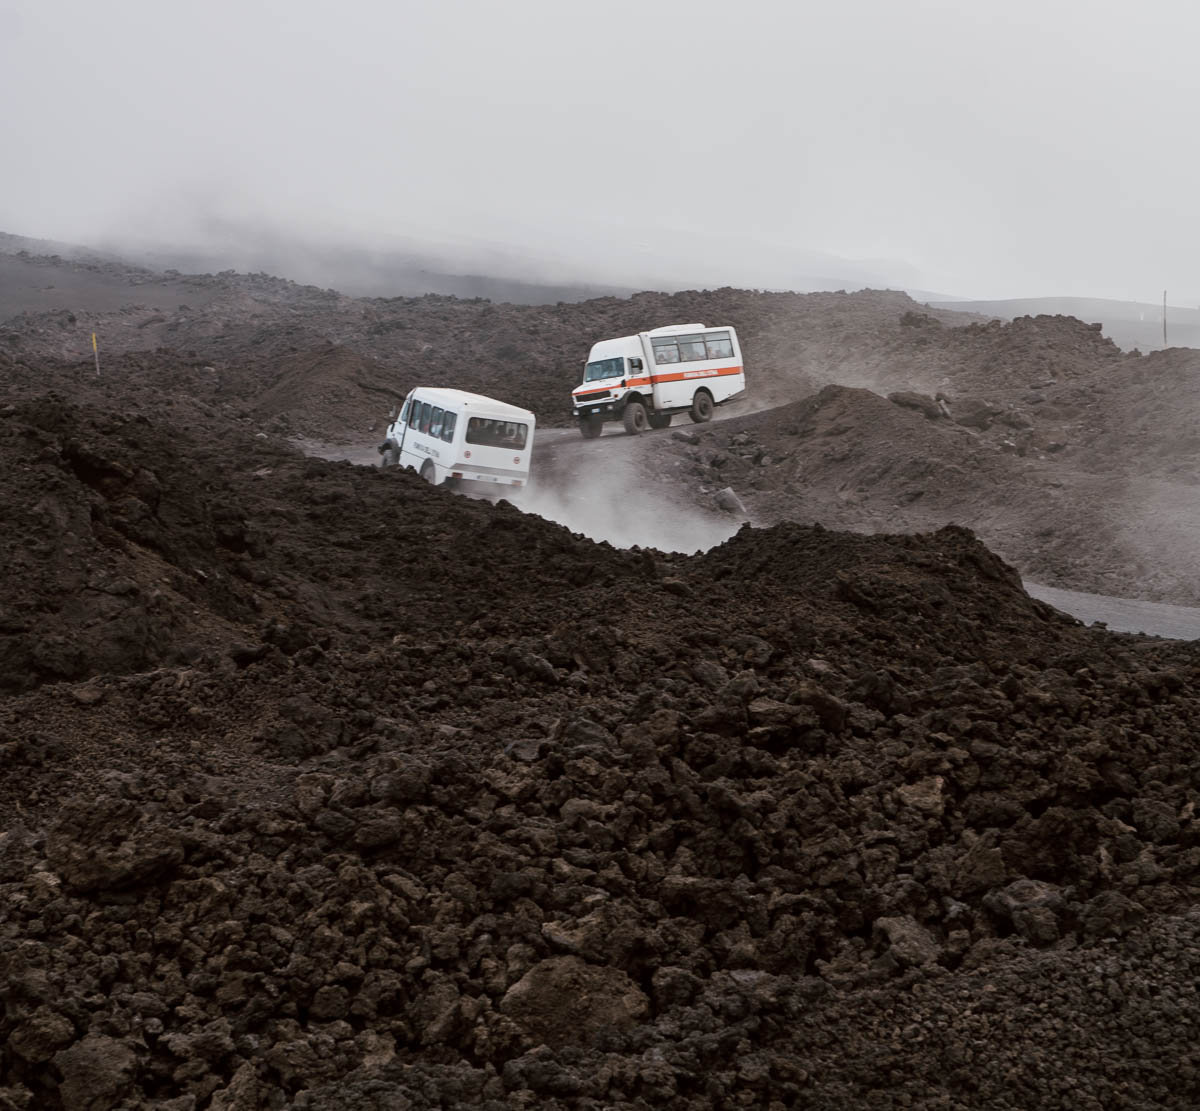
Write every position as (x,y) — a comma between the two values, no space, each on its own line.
(1028,151)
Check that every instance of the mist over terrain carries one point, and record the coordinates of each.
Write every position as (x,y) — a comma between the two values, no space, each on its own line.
(992,154)
(407,268)
(102,278)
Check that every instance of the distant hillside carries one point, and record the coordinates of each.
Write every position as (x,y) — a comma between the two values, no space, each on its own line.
(500,275)
(1128,324)
(353,271)
(364,273)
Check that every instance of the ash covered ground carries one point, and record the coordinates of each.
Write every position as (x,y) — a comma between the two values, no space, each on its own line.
(326,789)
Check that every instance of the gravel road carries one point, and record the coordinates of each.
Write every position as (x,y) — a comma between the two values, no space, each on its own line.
(1123,615)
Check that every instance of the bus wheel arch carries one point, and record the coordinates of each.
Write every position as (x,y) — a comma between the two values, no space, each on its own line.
(429,472)
(702,407)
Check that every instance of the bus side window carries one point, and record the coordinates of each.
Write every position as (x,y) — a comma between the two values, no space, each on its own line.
(426,414)
(403,418)
(720,346)
(435,424)
(448,422)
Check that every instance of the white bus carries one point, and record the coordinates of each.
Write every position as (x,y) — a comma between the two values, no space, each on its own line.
(458,437)
(644,380)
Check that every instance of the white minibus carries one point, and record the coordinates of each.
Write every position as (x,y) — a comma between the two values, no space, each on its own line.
(458,437)
(644,380)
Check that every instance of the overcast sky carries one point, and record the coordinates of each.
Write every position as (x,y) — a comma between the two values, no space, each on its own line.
(991,149)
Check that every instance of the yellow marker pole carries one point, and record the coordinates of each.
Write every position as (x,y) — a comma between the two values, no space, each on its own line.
(96,353)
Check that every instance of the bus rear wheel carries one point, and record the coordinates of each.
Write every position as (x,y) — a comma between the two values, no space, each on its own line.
(429,473)
(591,427)
(702,407)
(659,420)
(634,418)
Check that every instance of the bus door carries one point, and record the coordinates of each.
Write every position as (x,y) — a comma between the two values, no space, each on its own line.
(405,413)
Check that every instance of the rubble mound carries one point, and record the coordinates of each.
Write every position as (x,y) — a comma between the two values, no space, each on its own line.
(1095,493)
(328,789)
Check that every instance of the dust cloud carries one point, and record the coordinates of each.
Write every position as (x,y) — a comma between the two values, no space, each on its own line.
(1160,528)
(594,489)
(597,489)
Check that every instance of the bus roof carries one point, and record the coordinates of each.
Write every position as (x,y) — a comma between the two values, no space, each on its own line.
(627,345)
(476,402)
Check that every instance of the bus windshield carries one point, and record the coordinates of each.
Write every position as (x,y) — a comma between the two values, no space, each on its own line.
(604,368)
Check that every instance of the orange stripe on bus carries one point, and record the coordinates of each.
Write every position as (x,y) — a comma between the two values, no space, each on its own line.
(677,376)
(696,375)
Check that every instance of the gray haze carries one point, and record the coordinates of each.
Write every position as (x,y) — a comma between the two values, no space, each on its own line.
(989,151)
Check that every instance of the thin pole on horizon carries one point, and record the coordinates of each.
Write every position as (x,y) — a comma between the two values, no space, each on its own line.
(96,354)
(1164,318)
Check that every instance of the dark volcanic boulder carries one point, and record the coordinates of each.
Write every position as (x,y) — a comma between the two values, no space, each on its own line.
(565,1001)
(110,844)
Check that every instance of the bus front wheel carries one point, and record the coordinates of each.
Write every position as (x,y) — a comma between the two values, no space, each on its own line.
(391,455)
(591,427)
(634,418)
(702,407)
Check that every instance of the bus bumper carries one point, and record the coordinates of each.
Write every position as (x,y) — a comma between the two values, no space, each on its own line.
(462,474)
(605,410)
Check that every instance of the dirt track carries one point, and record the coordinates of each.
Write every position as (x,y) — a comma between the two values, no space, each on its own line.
(1123,615)
(326,789)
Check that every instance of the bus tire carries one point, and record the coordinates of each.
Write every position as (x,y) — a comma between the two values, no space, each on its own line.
(391,455)
(659,420)
(634,418)
(702,407)
(429,473)
(591,427)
